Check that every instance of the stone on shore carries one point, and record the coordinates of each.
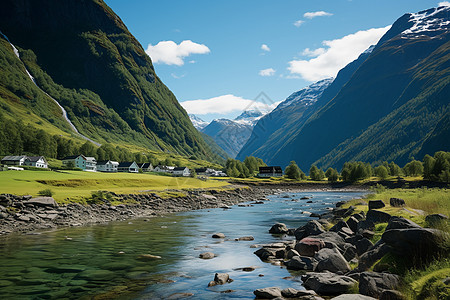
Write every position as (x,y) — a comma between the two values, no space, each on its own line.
(328,283)
(268,293)
(279,228)
(373,284)
(207,255)
(309,246)
(218,235)
(339,225)
(292,253)
(396,202)
(331,260)
(298,263)
(41,201)
(352,223)
(435,218)
(367,260)
(376,204)
(220,278)
(392,295)
(293,293)
(400,223)
(363,245)
(311,228)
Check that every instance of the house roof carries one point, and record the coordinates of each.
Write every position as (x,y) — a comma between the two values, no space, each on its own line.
(90,158)
(200,170)
(104,162)
(179,168)
(14,158)
(126,164)
(271,169)
(73,157)
(146,165)
(36,158)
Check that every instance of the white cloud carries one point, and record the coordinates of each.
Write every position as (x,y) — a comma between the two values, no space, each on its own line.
(313,53)
(264,47)
(177,76)
(267,72)
(169,53)
(224,105)
(298,23)
(444,3)
(336,55)
(310,15)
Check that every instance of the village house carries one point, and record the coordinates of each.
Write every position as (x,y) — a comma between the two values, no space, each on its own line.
(147,167)
(91,164)
(77,161)
(164,169)
(14,160)
(272,171)
(36,161)
(209,172)
(181,171)
(130,167)
(107,166)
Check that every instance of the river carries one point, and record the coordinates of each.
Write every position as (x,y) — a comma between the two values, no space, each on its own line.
(104,260)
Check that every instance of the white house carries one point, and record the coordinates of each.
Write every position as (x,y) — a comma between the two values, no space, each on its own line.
(107,166)
(147,167)
(91,164)
(181,171)
(36,161)
(130,167)
(78,161)
(164,169)
(14,160)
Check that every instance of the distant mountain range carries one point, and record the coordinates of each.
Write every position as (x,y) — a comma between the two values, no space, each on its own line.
(230,135)
(392,103)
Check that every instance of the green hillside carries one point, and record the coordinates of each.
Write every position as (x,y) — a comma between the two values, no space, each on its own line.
(82,54)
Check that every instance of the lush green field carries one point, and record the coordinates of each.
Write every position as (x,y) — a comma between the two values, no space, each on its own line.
(74,185)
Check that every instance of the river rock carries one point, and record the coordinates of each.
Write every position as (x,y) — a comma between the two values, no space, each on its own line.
(148,257)
(367,260)
(218,235)
(41,201)
(278,228)
(339,225)
(376,204)
(331,260)
(265,253)
(309,246)
(206,255)
(352,223)
(268,293)
(350,253)
(291,253)
(311,228)
(331,240)
(353,297)
(301,263)
(435,218)
(396,202)
(417,244)
(209,197)
(372,284)
(328,283)
(293,293)
(220,278)
(400,223)
(363,245)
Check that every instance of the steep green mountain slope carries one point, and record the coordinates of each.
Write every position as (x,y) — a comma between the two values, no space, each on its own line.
(82,55)
(395,105)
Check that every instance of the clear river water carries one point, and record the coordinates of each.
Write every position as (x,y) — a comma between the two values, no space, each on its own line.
(103,261)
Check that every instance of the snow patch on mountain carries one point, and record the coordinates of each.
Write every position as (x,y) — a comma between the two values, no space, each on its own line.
(430,21)
(198,123)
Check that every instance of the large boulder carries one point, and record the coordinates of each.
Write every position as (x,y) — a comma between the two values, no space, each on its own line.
(435,218)
(373,284)
(293,293)
(220,278)
(328,283)
(309,246)
(268,293)
(41,201)
(396,202)
(266,253)
(400,223)
(419,245)
(352,223)
(332,239)
(331,260)
(376,204)
(298,263)
(363,245)
(377,216)
(369,258)
(353,297)
(392,295)
(339,225)
(311,228)
(279,228)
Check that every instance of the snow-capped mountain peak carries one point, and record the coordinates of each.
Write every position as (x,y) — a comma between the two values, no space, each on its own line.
(431,21)
(249,117)
(198,122)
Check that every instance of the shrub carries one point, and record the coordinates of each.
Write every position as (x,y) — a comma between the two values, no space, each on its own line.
(45,193)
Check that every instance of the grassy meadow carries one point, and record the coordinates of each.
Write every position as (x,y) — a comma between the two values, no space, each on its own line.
(75,185)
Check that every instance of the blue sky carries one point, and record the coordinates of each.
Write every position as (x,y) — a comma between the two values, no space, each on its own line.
(220,55)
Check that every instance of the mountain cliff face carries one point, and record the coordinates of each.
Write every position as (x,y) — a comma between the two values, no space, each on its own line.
(81,54)
(392,106)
